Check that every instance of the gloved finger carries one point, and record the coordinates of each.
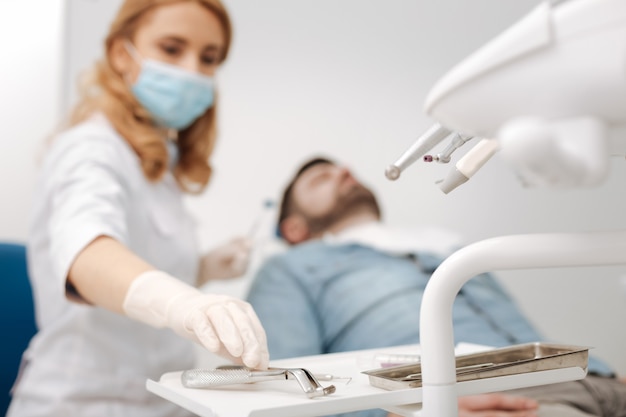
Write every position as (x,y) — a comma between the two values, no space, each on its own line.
(259,331)
(240,263)
(224,353)
(238,247)
(244,243)
(204,331)
(225,327)
(232,260)
(255,353)
(260,334)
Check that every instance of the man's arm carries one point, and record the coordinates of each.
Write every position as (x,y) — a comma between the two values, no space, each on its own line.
(497,405)
(286,311)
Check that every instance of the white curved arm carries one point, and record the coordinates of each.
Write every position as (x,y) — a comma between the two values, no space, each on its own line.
(500,253)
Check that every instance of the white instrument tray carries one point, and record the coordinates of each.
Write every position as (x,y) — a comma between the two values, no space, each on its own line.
(286,398)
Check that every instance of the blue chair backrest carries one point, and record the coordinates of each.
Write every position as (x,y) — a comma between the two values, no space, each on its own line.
(17,318)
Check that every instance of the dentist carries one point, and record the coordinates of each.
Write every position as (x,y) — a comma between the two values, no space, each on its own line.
(112,253)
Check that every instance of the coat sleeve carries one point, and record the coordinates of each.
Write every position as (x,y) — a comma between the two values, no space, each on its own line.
(88,197)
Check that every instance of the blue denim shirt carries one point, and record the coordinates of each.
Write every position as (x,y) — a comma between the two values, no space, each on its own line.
(318,298)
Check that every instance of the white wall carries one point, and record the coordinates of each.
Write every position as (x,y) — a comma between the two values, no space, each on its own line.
(30,101)
(348,78)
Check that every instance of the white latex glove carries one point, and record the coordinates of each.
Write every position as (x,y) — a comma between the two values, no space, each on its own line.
(224,325)
(230,260)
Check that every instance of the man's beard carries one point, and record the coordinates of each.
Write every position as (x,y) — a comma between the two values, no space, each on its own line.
(358,199)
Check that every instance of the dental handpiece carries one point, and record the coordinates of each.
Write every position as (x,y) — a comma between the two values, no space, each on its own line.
(428,140)
(444,157)
(471,162)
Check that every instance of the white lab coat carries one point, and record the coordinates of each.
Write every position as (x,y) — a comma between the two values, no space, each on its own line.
(86,361)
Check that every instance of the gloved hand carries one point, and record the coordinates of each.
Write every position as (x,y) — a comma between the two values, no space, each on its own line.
(230,260)
(224,325)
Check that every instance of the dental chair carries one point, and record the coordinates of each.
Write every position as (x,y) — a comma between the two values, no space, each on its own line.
(17,323)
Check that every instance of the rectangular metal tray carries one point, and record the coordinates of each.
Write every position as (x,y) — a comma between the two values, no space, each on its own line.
(511,360)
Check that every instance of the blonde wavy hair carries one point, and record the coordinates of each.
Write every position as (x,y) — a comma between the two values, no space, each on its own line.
(103,89)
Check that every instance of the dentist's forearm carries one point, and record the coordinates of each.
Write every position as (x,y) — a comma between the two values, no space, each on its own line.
(103,272)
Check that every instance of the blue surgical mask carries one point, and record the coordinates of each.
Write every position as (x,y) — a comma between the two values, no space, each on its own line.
(174,96)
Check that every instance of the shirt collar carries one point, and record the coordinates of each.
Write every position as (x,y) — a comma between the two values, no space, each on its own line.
(397,241)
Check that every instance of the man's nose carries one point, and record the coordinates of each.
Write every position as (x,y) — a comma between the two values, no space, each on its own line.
(344,171)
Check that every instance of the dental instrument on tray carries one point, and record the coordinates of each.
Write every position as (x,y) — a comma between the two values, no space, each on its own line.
(230,375)
(551,90)
(394,359)
(331,377)
(385,360)
(320,377)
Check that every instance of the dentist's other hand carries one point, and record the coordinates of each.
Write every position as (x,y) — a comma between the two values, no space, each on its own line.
(229,260)
(224,325)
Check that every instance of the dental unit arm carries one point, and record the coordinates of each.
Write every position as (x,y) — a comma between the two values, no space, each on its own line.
(551,90)
(548,94)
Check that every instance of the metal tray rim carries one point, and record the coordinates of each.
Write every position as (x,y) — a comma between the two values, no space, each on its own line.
(566,356)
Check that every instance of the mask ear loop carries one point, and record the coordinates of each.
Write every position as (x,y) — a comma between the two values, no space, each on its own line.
(132,51)
(134,54)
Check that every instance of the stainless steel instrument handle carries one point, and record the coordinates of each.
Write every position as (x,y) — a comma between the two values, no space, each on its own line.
(205,378)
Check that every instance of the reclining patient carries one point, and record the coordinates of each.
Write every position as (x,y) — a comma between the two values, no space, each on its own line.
(348,282)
